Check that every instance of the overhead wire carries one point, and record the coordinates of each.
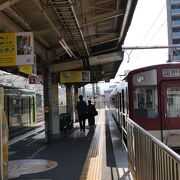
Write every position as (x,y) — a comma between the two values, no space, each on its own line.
(146,34)
(156,32)
(153,23)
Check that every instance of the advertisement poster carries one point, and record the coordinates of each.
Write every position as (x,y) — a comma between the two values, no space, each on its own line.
(7,49)
(16,49)
(25,48)
(74,76)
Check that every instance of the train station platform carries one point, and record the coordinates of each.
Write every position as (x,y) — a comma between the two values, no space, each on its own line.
(94,154)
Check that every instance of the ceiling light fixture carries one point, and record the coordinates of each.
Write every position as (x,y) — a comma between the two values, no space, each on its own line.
(65,47)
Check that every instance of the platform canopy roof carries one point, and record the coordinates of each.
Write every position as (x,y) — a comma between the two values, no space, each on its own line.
(91,31)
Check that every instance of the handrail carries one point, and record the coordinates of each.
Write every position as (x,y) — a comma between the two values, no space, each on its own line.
(148,158)
(158,142)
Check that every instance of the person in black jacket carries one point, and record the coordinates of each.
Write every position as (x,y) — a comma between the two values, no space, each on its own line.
(82,112)
(91,114)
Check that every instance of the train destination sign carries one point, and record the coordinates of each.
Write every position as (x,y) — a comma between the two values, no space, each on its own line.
(171,72)
(16,49)
(74,76)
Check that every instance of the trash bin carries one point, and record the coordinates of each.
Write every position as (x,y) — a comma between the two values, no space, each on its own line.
(65,120)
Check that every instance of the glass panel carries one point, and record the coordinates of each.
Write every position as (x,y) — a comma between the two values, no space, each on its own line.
(17,106)
(177,58)
(176,41)
(145,101)
(175,0)
(173,102)
(175,20)
(175,9)
(176,34)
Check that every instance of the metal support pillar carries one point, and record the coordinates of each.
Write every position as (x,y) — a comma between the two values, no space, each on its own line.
(94,97)
(69,105)
(75,102)
(47,104)
(55,108)
(83,91)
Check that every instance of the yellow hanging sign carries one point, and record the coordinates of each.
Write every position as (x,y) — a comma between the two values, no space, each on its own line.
(26,69)
(16,49)
(74,76)
(7,49)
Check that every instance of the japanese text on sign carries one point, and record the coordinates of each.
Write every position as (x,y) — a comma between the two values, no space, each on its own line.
(16,49)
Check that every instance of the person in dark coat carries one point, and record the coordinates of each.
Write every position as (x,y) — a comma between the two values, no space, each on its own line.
(81,107)
(91,116)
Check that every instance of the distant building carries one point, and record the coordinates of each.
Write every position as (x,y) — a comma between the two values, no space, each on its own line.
(173,20)
(107,94)
(62,95)
(112,86)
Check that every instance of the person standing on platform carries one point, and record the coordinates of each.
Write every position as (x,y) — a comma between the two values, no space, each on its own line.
(82,112)
(91,114)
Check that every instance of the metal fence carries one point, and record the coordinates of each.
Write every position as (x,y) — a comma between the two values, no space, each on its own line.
(148,158)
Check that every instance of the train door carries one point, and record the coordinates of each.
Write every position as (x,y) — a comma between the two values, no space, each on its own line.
(170,107)
(32,109)
(118,94)
(123,108)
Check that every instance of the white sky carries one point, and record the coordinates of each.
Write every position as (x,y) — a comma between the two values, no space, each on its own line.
(148,28)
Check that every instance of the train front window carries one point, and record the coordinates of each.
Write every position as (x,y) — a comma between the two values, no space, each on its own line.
(173,102)
(145,101)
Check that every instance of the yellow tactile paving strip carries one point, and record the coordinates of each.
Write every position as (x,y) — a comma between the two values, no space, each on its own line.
(92,166)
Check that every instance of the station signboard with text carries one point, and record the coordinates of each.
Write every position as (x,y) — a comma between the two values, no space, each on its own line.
(16,49)
(74,76)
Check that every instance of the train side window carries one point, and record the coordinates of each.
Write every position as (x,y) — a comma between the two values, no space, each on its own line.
(17,106)
(145,101)
(25,105)
(173,102)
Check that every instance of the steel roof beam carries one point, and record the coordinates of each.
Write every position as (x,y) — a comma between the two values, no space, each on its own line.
(131,4)
(104,17)
(93,42)
(96,60)
(103,39)
(7,3)
(51,23)
(103,2)
(67,20)
(11,26)
(72,8)
(23,23)
(10,12)
(116,19)
(42,32)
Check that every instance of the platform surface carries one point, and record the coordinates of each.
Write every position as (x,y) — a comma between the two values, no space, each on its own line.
(94,154)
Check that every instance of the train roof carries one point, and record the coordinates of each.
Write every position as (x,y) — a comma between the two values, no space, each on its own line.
(121,85)
(156,66)
(113,91)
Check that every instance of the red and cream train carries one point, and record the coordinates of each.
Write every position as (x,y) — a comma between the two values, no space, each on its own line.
(150,96)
